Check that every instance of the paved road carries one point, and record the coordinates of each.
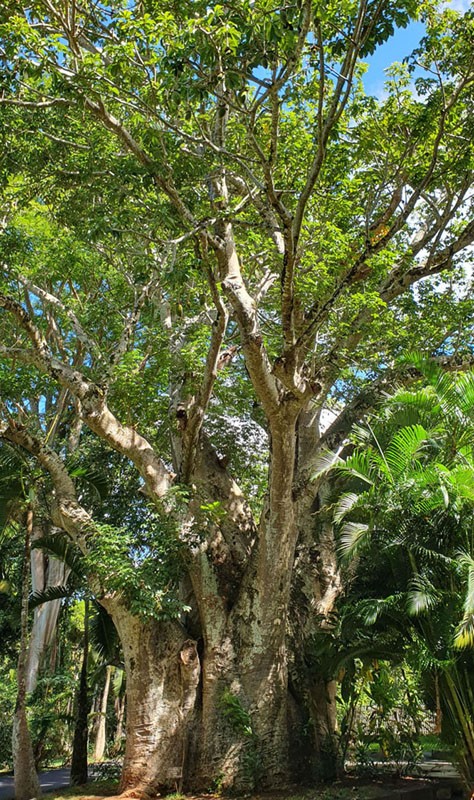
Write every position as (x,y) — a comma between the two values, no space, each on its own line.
(53,779)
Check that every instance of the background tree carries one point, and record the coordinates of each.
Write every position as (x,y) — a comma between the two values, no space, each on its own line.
(281,212)
(26,780)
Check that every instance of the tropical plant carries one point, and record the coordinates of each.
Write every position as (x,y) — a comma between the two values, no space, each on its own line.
(98,633)
(405,527)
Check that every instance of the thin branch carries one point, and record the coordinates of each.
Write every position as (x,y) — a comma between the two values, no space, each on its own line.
(198,409)
(52,300)
(36,104)
(338,104)
(122,438)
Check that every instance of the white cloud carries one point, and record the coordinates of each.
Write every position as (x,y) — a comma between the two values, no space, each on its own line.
(459,5)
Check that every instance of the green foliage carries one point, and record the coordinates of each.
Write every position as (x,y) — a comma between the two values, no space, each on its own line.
(143,567)
(112,241)
(8,691)
(240,720)
(236,714)
(415,561)
(391,714)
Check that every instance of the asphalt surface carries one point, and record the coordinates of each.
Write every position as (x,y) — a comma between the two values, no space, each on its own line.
(52,779)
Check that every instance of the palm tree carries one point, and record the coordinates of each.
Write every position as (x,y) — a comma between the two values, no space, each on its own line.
(99,631)
(406,521)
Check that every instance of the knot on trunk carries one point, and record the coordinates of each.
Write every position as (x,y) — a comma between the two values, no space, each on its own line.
(188,655)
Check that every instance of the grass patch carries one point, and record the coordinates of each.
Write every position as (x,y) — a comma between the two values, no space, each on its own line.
(432,742)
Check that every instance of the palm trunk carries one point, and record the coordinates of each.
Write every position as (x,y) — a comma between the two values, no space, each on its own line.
(79,762)
(44,573)
(100,738)
(119,720)
(26,779)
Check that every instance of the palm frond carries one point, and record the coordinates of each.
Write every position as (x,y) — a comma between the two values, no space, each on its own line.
(361,435)
(61,547)
(94,479)
(119,680)
(12,459)
(461,478)
(422,403)
(325,462)
(353,536)
(404,447)
(12,491)
(430,370)
(432,556)
(48,594)
(371,609)
(103,634)
(464,634)
(362,464)
(345,504)
(466,561)
(422,595)
(465,392)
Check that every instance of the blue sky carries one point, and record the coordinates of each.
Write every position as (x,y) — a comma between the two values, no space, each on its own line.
(401,44)
(398,46)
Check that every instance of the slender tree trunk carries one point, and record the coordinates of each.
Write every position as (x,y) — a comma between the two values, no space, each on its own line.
(26,780)
(100,738)
(45,571)
(119,720)
(79,761)
(438,723)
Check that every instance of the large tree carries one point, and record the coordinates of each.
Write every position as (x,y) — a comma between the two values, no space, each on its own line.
(214,235)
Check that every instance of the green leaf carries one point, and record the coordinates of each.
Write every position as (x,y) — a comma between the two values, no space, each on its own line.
(49,594)
(353,536)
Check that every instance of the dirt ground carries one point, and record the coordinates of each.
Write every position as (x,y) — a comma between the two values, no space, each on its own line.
(349,789)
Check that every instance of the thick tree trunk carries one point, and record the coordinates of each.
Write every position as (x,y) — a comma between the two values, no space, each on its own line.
(316,585)
(234,732)
(244,736)
(100,738)
(230,724)
(26,780)
(162,668)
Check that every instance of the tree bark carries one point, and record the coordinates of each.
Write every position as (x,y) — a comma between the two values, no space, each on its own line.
(229,723)
(163,670)
(45,572)
(26,780)
(236,729)
(100,739)
(119,720)
(244,724)
(316,585)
